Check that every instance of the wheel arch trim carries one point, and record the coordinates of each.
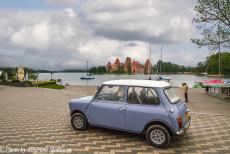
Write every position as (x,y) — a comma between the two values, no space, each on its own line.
(157,122)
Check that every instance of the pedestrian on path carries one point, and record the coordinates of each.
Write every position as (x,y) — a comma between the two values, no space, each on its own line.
(185,88)
(206,89)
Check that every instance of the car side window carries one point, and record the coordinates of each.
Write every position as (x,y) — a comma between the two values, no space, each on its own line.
(112,93)
(142,95)
(134,95)
(152,97)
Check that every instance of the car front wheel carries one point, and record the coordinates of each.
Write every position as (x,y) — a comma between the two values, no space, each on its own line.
(158,136)
(79,121)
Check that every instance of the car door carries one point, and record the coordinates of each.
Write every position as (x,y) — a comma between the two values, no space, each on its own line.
(108,107)
(143,106)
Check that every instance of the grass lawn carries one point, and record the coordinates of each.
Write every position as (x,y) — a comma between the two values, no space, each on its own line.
(52,86)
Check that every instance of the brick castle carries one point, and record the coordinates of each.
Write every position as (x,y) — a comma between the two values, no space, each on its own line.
(130,66)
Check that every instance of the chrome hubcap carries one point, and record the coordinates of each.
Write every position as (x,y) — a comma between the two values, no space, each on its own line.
(157,136)
(78,122)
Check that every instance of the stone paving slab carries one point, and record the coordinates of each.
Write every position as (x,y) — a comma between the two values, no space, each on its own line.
(34,117)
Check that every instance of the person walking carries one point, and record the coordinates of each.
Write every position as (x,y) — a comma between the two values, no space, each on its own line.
(185,87)
(207,89)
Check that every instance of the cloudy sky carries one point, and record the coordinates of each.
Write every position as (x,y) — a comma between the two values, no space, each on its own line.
(64,34)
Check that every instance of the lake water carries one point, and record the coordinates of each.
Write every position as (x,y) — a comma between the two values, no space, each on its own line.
(74,78)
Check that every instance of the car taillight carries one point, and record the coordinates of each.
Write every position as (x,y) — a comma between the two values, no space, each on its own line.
(179,121)
(187,115)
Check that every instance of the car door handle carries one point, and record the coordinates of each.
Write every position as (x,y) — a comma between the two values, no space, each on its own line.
(121,108)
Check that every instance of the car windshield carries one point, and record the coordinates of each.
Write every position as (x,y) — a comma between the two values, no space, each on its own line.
(172,96)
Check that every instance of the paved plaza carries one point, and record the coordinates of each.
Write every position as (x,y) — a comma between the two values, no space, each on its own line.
(37,117)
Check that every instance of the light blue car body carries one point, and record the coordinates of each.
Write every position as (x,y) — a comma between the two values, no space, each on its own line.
(132,117)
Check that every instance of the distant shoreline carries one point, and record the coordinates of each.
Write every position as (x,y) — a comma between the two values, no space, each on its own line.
(179,73)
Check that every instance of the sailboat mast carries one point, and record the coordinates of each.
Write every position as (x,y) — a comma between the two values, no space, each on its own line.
(87,66)
(149,66)
(161,58)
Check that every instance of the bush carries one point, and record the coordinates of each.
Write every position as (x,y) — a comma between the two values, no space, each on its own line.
(50,84)
(28,84)
(53,86)
(17,83)
(32,76)
(4,82)
(43,83)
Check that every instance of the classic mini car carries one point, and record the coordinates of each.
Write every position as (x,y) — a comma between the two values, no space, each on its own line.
(140,106)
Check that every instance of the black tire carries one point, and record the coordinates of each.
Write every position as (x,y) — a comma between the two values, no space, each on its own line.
(162,138)
(79,122)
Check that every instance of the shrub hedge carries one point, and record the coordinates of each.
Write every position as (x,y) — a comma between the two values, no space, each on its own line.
(43,83)
(17,83)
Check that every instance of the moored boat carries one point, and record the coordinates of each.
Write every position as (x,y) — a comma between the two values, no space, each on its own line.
(87,76)
(164,78)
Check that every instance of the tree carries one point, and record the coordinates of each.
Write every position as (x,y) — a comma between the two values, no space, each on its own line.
(168,67)
(201,67)
(119,70)
(213,19)
(98,70)
(93,70)
(214,65)
(211,64)
(129,68)
(11,72)
(101,69)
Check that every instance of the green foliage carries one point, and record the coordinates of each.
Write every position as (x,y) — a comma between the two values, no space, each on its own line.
(11,72)
(201,67)
(168,67)
(213,19)
(30,71)
(49,84)
(98,70)
(44,83)
(53,86)
(17,83)
(214,63)
(101,69)
(120,70)
(93,70)
(32,76)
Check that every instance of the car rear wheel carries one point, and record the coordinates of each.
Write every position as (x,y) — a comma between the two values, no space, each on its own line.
(158,136)
(79,121)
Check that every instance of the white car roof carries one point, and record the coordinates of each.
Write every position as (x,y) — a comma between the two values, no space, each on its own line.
(144,83)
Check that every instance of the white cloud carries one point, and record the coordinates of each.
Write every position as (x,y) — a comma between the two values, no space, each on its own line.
(104,50)
(94,30)
(36,36)
(50,41)
(63,2)
(141,20)
(70,12)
